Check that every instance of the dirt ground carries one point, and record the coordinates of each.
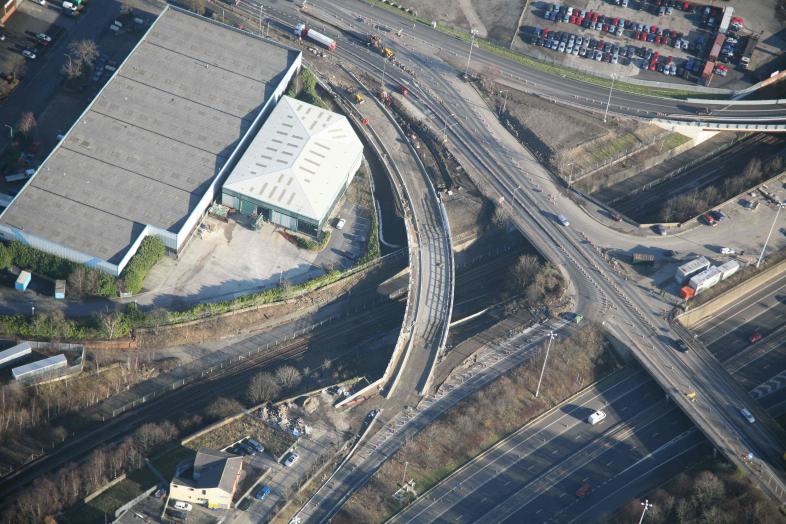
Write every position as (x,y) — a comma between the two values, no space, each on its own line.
(580,142)
(494,19)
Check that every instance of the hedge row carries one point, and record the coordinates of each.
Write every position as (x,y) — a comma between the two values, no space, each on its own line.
(150,251)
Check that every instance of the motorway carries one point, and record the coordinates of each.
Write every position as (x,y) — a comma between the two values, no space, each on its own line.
(509,171)
(493,361)
(533,474)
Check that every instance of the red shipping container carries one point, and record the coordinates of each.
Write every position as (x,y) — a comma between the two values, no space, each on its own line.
(687,292)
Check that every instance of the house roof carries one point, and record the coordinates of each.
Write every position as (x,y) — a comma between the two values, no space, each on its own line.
(216,469)
(299,161)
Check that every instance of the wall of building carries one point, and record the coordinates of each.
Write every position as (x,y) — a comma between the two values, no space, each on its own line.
(211,497)
(10,234)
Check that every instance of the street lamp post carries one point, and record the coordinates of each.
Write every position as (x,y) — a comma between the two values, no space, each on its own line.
(384,66)
(471,45)
(551,336)
(646,505)
(774,221)
(10,130)
(608,102)
(446,126)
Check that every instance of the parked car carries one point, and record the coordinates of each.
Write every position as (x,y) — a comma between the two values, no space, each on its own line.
(27,53)
(263,492)
(185,506)
(291,459)
(340,224)
(43,37)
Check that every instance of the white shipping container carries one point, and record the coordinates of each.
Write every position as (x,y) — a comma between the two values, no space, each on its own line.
(15,352)
(728,269)
(687,270)
(705,280)
(40,366)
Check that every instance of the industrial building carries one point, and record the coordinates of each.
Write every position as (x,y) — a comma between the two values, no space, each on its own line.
(148,155)
(213,482)
(16,352)
(297,168)
(39,367)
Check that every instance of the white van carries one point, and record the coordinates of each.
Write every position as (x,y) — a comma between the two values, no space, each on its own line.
(596,417)
(69,6)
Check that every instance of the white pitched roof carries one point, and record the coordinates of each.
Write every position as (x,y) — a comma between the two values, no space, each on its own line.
(299,160)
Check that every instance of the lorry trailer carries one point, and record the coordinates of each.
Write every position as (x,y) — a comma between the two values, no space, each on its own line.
(305,32)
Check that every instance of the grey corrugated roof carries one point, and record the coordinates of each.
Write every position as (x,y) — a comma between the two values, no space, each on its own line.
(216,469)
(153,140)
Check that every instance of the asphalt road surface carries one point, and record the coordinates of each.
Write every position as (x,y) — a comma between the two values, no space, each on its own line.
(637,319)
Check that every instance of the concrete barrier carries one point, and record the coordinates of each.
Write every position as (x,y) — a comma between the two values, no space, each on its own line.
(703,312)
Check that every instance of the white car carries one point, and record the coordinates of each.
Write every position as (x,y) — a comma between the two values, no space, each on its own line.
(727,251)
(43,37)
(40,2)
(341,223)
(28,54)
(291,459)
(747,414)
(596,417)
(185,506)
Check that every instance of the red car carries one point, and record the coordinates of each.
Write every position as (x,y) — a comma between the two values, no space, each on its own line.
(657,40)
(584,490)
(653,28)
(755,337)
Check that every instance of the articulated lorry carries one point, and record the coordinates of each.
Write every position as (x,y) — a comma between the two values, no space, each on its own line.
(307,33)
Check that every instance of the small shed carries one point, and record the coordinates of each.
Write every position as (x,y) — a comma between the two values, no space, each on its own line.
(23,280)
(60,286)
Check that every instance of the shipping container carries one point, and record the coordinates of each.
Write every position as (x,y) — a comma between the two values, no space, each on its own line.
(687,292)
(728,13)
(39,367)
(643,258)
(728,269)
(717,45)
(705,280)
(706,74)
(60,286)
(687,270)
(23,280)
(13,353)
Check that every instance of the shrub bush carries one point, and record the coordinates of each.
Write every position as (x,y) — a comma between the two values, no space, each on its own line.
(150,251)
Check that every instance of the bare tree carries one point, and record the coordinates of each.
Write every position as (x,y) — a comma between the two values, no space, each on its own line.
(263,388)
(73,68)
(18,67)
(223,407)
(288,377)
(26,123)
(84,51)
(110,323)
